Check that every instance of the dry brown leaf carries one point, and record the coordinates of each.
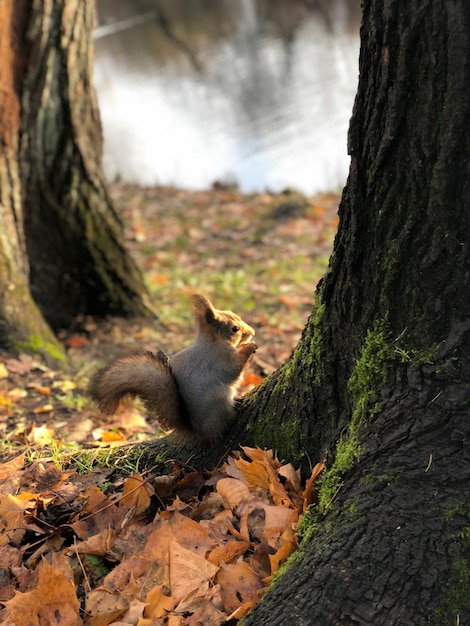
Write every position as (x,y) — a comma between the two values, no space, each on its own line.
(310,485)
(292,475)
(17,393)
(238,584)
(231,469)
(242,610)
(98,514)
(135,568)
(42,435)
(12,512)
(45,475)
(278,518)
(190,574)
(103,608)
(233,492)
(77,341)
(262,472)
(22,365)
(100,544)
(45,408)
(134,612)
(228,551)
(52,601)
(12,466)
(157,603)
(257,454)
(259,560)
(42,390)
(135,494)
(205,615)
(281,555)
(187,532)
(11,559)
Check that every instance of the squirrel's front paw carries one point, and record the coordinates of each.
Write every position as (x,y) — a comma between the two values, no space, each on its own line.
(248,348)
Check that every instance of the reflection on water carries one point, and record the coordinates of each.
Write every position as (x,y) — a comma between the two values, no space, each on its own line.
(257,92)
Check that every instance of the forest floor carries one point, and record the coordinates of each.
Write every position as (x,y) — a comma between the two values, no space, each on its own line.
(260,255)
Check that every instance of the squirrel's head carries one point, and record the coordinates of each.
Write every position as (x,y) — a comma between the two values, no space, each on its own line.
(220,324)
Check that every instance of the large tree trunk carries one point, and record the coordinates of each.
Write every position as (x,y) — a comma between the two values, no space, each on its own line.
(60,232)
(383,371)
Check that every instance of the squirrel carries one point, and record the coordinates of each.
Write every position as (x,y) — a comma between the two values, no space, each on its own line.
(193,391)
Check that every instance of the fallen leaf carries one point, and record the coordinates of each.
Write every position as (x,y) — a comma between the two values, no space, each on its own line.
(206,614)
(12,516)
(52,601)
(190,574)
(41,435)
(100,544)
(233,492)
(157,603)
(135,494)
(251,379)
(64,385)
(77,341)
(17,393)
(309,487)
(22,365)
(238,584)
(45,408)
(43,390)
(228,551)
(281,555)
(187,532)
(261,473)
(278,518)
(112,435)
(102,607)
(291,474)
(12,466)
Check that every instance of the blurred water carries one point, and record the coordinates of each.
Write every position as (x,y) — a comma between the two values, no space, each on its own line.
(253,92)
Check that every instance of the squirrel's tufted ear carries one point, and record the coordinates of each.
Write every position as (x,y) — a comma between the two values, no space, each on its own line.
(202,307)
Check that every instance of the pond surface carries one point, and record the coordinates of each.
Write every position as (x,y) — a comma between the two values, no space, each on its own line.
(253,92)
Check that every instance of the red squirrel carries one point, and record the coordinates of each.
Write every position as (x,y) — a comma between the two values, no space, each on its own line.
(193,391)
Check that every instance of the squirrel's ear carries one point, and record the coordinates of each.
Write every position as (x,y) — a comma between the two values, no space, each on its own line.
(202,307)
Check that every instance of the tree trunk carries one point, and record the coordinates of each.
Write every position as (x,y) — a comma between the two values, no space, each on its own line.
(383,369)
(61,234)
(22,326)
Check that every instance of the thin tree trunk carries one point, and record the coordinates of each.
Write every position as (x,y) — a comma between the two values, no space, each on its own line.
(60,238)
(21,324)
(74,237)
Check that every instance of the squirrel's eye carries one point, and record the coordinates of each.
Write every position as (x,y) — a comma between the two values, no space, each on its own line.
(235,329)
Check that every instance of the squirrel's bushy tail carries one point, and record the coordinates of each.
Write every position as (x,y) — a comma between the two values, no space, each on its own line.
(148,376)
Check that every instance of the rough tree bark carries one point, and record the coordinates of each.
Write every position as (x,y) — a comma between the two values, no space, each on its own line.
(20,319)
(381,377)
(60,234)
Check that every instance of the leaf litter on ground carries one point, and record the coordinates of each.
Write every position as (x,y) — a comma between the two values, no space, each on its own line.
(186,548)
(200,552)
